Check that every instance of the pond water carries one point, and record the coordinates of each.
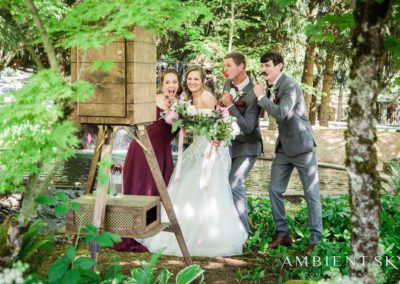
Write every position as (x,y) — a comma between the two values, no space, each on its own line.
(332,181)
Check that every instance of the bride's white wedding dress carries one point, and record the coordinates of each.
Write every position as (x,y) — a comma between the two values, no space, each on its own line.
(203,204)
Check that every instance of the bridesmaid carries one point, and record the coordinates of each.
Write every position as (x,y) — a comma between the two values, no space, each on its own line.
(138,179)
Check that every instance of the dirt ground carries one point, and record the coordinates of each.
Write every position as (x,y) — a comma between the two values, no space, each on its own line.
(217,270)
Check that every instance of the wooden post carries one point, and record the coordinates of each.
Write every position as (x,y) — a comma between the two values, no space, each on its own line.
(95,159)
(162,189)
(101,195)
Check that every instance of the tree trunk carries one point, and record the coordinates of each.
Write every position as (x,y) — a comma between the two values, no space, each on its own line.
(308,71)
(366,71)
(327,86)
(6,14)
(231,28)
(313,110)
(51,54)
(5,59)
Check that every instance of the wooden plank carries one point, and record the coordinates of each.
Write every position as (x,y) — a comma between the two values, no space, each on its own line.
(101,193)
(143,52)
(141,72)
(141,93)
(106,120)
(105,110)
(144,113)
(95,159)
(160,227)
(107,93)
(142,35)
(136,114)
(115,52)
(162,189)
(116,75)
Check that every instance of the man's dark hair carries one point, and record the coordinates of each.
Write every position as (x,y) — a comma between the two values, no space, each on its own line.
(237,57)
(275,56)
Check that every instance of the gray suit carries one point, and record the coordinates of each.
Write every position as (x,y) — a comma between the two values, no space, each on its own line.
(295,148)
(246,146)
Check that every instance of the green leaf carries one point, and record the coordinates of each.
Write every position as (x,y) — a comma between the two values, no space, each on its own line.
(45,200)
(164,276)
(62,197)
(71,277)
(91,277)
(70,254)
(189,274)
(90,229)
(105,239)
(57,270)
(285,3)
(75,206)
(85,263)
(61,209)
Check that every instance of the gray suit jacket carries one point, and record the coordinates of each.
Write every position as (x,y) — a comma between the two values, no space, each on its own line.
(248,143)
(295,133)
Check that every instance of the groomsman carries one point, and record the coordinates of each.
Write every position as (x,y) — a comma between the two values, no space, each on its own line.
(295,148)
(241,101)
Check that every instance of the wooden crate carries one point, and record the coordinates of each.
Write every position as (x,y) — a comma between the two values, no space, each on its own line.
(132,215)
(124,95)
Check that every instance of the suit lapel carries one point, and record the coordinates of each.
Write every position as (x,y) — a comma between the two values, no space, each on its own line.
(280,81)
(248,87)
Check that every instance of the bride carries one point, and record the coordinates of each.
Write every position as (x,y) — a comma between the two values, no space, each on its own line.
(205,211)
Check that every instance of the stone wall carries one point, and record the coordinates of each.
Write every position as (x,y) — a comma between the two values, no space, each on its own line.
(331,145)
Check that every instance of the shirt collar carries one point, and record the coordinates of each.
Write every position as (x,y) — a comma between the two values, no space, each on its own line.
(242,85)
(276,80)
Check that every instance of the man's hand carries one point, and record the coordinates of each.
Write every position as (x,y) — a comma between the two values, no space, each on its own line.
(259,90)
(227,99)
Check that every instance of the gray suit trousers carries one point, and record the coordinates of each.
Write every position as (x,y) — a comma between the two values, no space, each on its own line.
(241,167)
(307,167)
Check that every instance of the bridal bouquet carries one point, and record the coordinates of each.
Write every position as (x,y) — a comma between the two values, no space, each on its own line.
(216,125)
(212,124)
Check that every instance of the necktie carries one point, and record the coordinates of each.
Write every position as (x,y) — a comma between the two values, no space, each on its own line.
(269,91)
(233,86)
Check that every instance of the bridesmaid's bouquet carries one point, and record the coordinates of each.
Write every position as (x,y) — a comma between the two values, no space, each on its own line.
(180,115)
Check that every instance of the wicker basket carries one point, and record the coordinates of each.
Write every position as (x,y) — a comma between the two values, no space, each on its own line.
(130,216)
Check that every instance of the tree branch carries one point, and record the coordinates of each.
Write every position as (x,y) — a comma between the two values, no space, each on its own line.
(51,54)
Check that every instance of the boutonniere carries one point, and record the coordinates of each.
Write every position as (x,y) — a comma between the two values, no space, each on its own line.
(239,95)
(240,103)
(273,90)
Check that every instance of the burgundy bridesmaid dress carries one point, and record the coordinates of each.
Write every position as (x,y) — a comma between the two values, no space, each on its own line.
(138,179)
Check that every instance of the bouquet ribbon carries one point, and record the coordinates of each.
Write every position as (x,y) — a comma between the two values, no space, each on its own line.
(180,151)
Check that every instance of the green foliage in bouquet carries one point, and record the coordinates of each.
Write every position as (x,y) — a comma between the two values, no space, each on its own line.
(211,124)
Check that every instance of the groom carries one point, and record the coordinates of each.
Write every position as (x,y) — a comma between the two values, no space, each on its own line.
(239,98)
(295,148)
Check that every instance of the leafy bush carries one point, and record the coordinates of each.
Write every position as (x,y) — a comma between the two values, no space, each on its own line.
(289,263)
